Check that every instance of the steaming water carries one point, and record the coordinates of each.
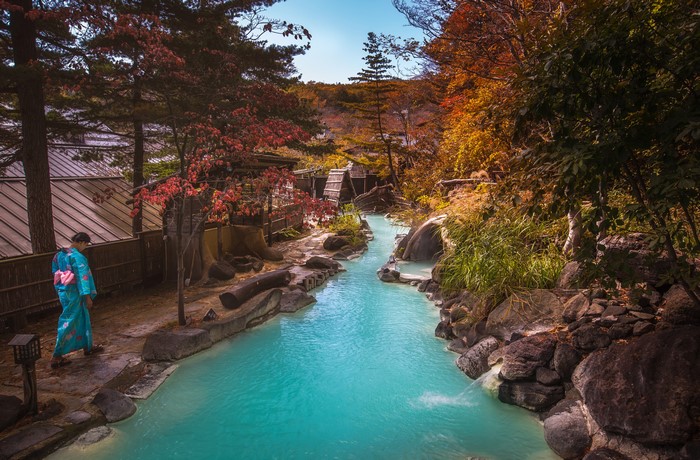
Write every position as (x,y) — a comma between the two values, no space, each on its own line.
(358,375)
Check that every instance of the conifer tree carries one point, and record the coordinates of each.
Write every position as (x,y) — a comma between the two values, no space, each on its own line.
(37,51)
(221,103)
(375,76)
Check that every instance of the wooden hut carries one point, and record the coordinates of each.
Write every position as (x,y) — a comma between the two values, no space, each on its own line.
(308,181)
(339,188)
(362,178)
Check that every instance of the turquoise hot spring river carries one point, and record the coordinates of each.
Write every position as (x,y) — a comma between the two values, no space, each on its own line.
(358,375)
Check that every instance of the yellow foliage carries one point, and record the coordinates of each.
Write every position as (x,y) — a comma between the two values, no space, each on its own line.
(470,140)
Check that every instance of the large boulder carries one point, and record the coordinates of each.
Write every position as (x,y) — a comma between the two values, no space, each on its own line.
(244,264)
(10,410)
(476,333)
(530,395)
(457,346)
(547,376)
(388,274)
(114,405)
(631,259)
(565,360)
(171,345)
(566,430)
(569,276)
(645,389)
(322,263)
(604,453)
(444,331)
(222,270)
(426,242)
(590,337)
(294,300)
(522,357)
(402,242)
(679,307)
(575,307)
(335,242)
(528,312)
(474,361)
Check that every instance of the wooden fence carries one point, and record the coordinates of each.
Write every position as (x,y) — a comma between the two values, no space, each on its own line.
(26,283)
(290,216)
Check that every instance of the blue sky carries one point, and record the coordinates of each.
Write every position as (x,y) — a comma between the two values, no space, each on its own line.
(339,28)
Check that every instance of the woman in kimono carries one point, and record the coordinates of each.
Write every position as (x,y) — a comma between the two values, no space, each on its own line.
(76,289)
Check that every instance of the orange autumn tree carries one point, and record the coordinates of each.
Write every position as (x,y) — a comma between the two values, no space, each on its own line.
(476,48)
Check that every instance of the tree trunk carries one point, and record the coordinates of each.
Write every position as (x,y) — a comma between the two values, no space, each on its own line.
(602,203)
(180,251)
(573,240)
(387,142)
(137,222)
(394,177)
(35,157)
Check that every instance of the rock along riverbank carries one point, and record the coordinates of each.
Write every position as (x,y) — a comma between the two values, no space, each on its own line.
(611,378)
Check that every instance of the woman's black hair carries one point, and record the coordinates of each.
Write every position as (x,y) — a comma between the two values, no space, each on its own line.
(81,237)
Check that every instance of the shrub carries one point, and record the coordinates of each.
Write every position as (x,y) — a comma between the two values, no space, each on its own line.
(505,253)
(347,223)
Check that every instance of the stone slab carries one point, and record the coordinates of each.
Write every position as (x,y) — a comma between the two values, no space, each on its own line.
(35,434)
(171,345)
(407,278)
(150,382)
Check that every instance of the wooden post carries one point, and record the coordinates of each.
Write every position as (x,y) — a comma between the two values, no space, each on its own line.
(219,241)
(142,255)
(29,380)
(269,219)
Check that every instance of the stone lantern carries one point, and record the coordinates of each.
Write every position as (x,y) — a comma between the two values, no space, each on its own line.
(27,351)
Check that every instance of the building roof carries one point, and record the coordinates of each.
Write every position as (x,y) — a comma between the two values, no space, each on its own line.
(339,188)
(65,158)
(86,196)
(74,210)
(89,196)
(259,162)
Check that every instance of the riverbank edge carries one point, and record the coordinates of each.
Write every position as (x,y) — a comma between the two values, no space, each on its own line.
(569,419)
(45,434)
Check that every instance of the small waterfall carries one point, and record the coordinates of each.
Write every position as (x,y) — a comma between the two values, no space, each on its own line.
(490,381)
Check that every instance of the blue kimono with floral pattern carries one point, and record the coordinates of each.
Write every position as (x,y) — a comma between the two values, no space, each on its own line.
(74,329)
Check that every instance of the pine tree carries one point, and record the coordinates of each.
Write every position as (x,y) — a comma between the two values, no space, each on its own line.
(375,76)
(36,50)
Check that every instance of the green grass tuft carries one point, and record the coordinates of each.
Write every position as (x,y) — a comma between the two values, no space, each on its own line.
(504,254)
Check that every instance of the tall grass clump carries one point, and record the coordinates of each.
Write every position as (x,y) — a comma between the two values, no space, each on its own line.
(348,223)
(506,253)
